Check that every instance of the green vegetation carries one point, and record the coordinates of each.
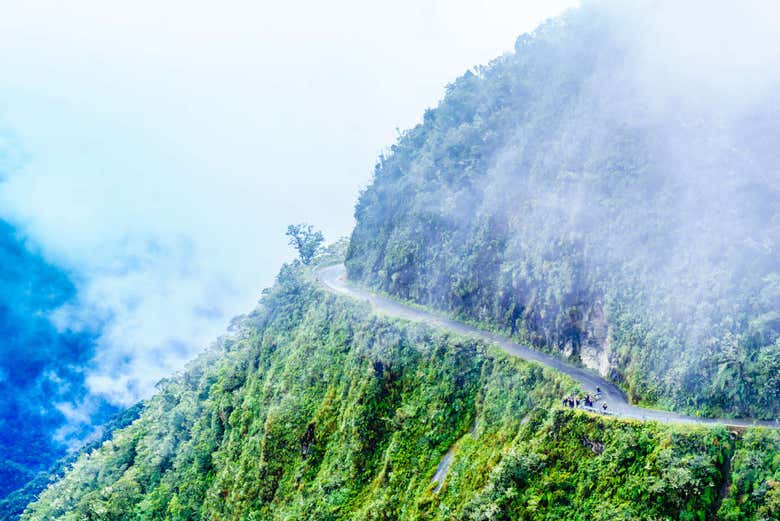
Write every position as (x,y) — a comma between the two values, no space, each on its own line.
(305,240)
(755,479)
(12,506)
(316,409)
(549,196)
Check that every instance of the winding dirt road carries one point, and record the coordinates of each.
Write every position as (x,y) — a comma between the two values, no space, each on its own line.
(334,278)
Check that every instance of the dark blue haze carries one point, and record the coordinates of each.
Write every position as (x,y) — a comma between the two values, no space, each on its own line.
(39,366)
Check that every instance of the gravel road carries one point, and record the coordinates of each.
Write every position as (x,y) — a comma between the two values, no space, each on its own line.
(334,278)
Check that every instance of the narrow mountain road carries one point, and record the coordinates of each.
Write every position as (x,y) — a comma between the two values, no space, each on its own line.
(334,278)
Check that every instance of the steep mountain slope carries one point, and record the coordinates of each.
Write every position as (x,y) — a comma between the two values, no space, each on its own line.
(574,196)
(315,409)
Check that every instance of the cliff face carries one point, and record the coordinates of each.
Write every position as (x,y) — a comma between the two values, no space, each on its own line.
(314,409)
(573,195)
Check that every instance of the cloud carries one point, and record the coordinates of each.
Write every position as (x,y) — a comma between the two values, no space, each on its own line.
(724,52)
(167,147)
(44,403)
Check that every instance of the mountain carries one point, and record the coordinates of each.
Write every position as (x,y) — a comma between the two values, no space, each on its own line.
(314,408)
(574,194)
(577,195)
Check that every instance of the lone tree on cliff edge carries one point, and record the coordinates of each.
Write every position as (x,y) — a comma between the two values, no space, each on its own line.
(306,240)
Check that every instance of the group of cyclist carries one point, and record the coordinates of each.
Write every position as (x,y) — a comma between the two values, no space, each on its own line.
(588,401)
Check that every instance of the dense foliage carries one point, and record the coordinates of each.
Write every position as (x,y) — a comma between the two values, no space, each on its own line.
(564,195)
(316,409)
(755,479)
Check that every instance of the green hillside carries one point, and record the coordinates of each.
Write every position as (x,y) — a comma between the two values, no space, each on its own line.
(315,409)
(564,195)
(557,196)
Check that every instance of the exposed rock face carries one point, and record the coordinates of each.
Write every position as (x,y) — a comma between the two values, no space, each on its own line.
(596,446)
(596,350)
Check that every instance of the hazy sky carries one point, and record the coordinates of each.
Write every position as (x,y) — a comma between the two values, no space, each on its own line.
(162,148)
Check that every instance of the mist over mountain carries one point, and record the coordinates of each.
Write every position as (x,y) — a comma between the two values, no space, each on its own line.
(41,366)
(607,192)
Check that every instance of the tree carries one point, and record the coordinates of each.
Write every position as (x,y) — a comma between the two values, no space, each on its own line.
(306,240)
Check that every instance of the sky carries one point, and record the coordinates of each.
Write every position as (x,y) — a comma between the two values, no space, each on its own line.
(155,153)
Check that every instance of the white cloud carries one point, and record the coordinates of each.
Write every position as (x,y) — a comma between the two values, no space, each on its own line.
(169,144)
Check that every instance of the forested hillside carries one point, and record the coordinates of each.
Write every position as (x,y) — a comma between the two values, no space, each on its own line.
(315,409)
(572,194)
(589,201)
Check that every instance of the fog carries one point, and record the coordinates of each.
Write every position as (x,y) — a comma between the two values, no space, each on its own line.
(609,192)
(156,153)
(680,103)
